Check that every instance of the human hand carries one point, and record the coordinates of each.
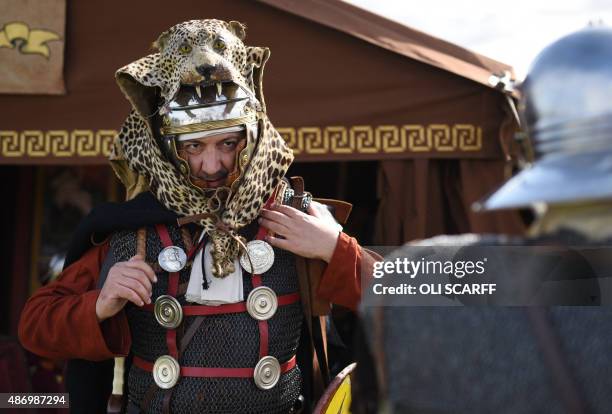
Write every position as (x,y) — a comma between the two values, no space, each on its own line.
(306,235)
(126,281)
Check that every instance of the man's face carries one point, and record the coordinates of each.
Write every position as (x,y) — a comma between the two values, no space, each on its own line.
(213,158)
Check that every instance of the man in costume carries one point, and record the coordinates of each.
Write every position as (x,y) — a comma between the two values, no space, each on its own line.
(532,359)
(202,276)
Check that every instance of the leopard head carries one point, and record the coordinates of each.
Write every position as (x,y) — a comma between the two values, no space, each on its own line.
(194,52)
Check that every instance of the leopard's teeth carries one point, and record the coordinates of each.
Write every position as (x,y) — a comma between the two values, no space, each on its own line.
(219,88)
(198,91)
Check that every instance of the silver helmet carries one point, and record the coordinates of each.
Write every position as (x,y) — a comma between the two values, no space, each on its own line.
(566,107)
(199,111)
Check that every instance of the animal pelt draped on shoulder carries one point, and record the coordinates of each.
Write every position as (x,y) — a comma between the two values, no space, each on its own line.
(151,82)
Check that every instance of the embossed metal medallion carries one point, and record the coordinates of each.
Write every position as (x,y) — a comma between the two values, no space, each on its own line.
(172,259)
(261,255)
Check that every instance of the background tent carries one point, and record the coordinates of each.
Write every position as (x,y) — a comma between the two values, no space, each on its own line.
(404,125)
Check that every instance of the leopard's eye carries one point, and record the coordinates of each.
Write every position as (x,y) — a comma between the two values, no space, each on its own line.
(185,48)
(219,44)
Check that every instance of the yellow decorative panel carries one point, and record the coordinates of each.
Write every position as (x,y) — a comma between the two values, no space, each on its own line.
(332,140)
(106,137)
(36,144)
(313,140)
(441,137)
(392,140)
(367,142)
(339,139)
(61,144)
(468,136)
(418,141)
(12,144)
(86,143)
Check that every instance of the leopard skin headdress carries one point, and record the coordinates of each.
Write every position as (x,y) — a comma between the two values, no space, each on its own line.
(151,83)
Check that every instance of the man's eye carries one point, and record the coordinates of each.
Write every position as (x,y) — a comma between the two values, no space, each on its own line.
(190,148)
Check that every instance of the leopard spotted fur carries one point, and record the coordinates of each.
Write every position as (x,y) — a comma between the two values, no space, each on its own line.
(159,75)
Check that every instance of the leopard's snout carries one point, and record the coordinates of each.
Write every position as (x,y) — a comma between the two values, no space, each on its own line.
(206,71)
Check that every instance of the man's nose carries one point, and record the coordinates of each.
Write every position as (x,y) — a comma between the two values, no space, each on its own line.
(210,163)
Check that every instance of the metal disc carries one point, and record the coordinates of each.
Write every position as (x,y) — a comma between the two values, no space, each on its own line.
(267,373)
(166,372)
(172,259)
(261,254)
(168,311)
(262,303)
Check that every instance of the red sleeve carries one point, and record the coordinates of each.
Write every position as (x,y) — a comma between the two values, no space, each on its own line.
(59,321)
(341,281)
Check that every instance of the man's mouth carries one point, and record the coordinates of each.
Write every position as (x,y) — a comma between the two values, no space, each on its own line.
(215,183)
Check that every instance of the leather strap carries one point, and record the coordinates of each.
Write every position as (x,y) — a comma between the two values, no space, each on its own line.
(148,397)
(256,281)
(189,333)
(204,310)
(141,243)
(167,397)
(234,307)
(313,307)
(297,183)
(264,338)
(162,232)
(171,343)
(186,236)
(264,332)
(182,289)
(173,282)
(207,372)
(191,252)
(319,339)
(340,209)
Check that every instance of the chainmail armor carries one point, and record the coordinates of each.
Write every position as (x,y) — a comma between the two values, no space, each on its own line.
(230,340)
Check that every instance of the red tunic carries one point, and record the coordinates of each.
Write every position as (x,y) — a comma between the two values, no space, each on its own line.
(59,321)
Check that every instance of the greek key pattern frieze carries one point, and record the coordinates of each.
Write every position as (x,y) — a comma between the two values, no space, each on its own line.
(56,143)
(331,140)
(384,139)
